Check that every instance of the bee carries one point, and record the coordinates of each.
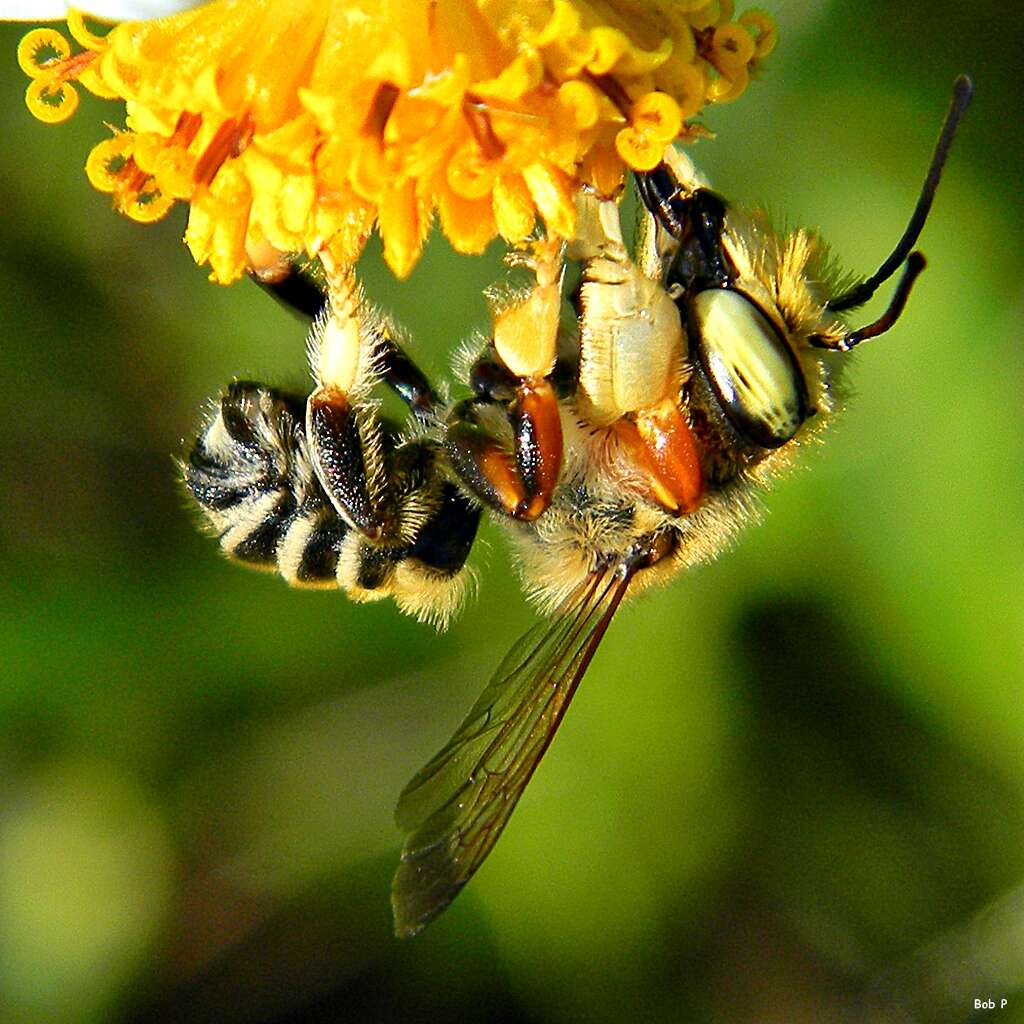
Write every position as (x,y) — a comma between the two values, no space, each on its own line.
(618,444)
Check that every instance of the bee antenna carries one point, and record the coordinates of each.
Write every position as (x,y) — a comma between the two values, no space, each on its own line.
(963,91)
(914,265)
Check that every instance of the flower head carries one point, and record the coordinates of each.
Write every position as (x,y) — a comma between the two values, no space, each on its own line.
(299,124)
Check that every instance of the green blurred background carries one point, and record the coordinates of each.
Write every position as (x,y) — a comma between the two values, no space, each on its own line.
(791,782)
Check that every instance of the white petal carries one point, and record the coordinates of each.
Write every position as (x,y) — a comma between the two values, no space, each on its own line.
(107,10)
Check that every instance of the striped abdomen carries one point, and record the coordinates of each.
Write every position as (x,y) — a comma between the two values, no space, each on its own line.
(251,474)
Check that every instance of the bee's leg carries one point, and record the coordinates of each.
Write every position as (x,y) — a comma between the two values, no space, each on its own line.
(660,444)
(423,569)
(411,530)
(634,354)
(279,276)
(404,377)
(346,440)
(515,376)
(667,189)
(350,351)
(681,236)
(250,475)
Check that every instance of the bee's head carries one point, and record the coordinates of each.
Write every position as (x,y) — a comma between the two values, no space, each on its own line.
(747,351)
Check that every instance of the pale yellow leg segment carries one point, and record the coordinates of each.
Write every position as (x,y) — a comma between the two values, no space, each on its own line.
(632,344)
(526,330)
(342,347)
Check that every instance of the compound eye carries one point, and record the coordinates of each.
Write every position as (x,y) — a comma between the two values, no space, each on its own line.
(752,370)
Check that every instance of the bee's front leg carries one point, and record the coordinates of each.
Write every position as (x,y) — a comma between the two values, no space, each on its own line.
(634,358)
(517,476)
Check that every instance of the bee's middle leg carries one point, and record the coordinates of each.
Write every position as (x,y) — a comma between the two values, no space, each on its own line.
(513,377)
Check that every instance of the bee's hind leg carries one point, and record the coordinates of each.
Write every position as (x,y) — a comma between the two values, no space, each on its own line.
(513,383)
(412,529)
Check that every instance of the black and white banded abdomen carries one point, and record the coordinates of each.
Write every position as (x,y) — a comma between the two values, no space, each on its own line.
(253,478)
(250,472)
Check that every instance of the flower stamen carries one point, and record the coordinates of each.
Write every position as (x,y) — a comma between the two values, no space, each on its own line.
(229,140)
(186,129)
(478,117)
(111,168)
(70,69)
(383,102)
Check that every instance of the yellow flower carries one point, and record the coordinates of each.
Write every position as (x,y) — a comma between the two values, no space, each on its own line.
(297,125)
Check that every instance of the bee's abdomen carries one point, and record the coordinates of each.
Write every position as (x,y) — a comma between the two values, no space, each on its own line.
(307,555)
(250,473)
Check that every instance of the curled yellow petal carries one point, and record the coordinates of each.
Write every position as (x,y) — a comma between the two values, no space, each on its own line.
(553,191)
(51,101)
(658,115)
(520,77)
(403,223)
(614,51)
(174,170)
(729,86)
(469,223)
(343,223)
(469,175)
(219,232)
(732,46)
(41,50)
(90,78)
(582,101)
(688,86)
(762,27)
(709,14)
(81,33)
(296,202)
(602,170)
(562,26)
(107,160)
(147,206)
(639,150)
(514,211)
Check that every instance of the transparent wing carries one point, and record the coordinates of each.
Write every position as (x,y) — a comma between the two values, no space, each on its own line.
(456,807)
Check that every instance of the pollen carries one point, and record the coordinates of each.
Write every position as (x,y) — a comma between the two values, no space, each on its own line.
(300,125)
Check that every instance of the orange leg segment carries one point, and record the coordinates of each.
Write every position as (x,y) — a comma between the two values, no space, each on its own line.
(513,375)
(661,444)
(520,483)
(538,443)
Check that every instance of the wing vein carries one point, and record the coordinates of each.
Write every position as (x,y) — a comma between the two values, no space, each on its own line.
(456,807)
